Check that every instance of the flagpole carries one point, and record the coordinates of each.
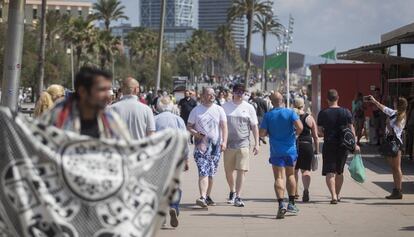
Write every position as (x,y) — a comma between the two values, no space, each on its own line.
(287,77)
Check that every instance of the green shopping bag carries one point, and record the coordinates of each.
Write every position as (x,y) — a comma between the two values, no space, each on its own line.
(357,169)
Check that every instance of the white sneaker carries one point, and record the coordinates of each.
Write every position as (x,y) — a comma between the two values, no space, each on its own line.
(201,202)
(238,202)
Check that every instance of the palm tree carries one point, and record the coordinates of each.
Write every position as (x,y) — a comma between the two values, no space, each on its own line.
(80,33)
(109,10)
(250,9)
(143,43)
(56,24)
(105,46)
(267,24)
(230,55)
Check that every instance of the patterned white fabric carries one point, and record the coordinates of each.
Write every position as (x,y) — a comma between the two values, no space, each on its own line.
(57,183)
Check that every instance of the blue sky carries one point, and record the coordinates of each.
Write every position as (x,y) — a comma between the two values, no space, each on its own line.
(321,25)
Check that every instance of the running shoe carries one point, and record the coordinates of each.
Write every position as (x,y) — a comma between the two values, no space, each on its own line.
(210,201)
(173,217)
(292,208)
(281,213)
(201,202)
(232,196)
(238,202)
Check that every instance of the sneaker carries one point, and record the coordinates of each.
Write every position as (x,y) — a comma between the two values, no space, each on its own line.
(201,202)
(210,201)
(232,196)
(305,197)
(238,202)
(292,208)
(396,194)
(281,213)
(173,217)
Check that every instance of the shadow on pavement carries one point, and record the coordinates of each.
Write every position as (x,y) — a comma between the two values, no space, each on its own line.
(407,228)
(260,199)
(378,164)
(260,216)
(407,187)
(397,203)
(361,198)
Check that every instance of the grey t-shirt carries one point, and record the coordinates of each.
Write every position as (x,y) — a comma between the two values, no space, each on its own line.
(137,116)
(240,118)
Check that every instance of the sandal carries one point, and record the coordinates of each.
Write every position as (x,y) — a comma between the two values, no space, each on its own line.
(334,201)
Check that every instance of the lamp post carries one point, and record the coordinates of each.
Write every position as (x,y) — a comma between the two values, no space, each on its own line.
(160,44)
(287,42)
(70,51)
(12,66)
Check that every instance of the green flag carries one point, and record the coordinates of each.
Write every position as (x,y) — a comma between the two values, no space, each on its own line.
(329,55)
(276,62)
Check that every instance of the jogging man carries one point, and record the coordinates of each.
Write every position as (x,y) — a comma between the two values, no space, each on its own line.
(282,125)
(241,117)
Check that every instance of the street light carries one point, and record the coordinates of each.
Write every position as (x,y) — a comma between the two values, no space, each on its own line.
(12,66)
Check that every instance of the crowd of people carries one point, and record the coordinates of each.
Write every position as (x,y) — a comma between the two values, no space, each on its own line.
(229,124)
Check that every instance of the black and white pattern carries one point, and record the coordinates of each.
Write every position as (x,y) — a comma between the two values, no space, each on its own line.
(57,183)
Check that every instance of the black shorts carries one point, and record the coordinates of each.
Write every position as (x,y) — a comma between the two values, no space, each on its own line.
(305,156)
(334,157)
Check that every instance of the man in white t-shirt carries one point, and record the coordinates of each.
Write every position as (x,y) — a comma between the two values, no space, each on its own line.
(241,118)
(208,124)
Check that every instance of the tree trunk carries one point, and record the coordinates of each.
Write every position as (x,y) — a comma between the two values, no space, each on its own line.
(42,49)
(249,17)
(107,23)
(264,72)
(212,67)
(78,57)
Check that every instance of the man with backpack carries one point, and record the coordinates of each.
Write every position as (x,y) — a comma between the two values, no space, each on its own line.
(335,125)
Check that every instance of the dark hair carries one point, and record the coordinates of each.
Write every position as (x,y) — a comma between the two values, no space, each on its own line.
(86,76)
(239,87)
(333,95)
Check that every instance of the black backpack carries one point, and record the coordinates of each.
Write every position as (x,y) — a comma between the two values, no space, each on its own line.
(347,136)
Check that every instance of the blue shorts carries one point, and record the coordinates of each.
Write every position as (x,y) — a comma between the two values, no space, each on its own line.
(283,161)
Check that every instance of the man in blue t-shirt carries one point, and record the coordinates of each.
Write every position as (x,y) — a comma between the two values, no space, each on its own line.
(282,125)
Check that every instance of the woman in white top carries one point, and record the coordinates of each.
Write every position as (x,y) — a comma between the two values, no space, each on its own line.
(396,120)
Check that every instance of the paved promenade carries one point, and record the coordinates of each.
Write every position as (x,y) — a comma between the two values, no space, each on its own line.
(363,211)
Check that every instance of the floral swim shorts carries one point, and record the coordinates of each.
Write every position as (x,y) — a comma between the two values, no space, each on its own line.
(207,162)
